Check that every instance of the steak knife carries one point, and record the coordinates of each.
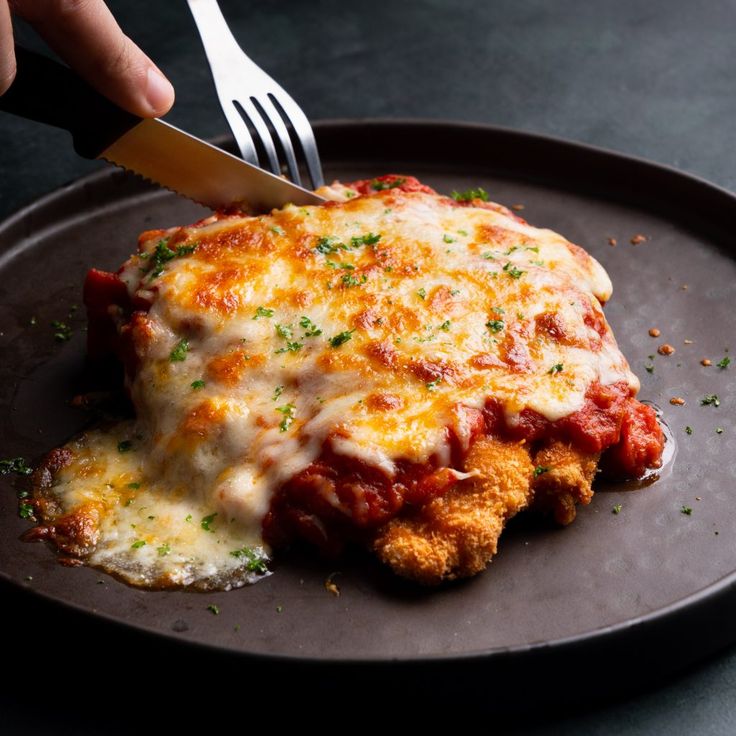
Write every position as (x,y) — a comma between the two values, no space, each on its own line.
(48,92)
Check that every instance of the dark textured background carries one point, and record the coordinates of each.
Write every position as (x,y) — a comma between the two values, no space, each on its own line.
(652,79)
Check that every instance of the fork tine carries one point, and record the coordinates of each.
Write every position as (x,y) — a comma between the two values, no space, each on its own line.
(250,113)
(273,118)
(294,116)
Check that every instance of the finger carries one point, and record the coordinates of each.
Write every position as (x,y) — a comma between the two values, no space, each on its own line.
(86,35)
(7,54)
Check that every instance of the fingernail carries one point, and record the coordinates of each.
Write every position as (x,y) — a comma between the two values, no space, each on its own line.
(159,92)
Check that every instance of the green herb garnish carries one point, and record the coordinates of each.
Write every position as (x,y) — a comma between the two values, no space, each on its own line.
(179,353)
(263,312)
(15,465)
(540,470)
(125,445)
(198,384)
(341,338)
(710,400)
(289,411)
(470,194)
(206,522)
(512,271)
(256,559)
(495,325)
(62,331)
(137,545)
(311,329)
(379,186)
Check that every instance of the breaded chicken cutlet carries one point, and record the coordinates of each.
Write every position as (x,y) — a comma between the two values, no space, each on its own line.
(395,367)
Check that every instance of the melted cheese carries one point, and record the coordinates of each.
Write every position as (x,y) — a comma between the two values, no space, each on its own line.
(360,324)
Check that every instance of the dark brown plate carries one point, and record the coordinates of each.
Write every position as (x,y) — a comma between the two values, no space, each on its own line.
(650,579)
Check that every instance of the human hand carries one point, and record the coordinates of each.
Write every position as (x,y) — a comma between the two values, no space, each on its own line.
(86,35)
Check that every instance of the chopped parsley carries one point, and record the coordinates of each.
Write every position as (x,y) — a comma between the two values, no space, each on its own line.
(15,465)
(495,325)
(541,470)
(511,250)
(277,392)
(162,254)
(137,545)
(164,549)
(134,486)
(311,329)
(724,363)
(125,445)
(649,368)
(616,509)
(329,244)
(688,430)
(445,325)
(289,411)
(277,230)
(25,510)
(686,510)
(367,239)
(422,293)
(284,331)
(206,522)
(556,368)
(341,338)
(188,518)
(291,347)
(512,271)
(488,256)
(378,186)
(256,559)
(213,609)
(179,353)
(62,331)
(432,385)
(448,238)
(470,194)
(349,280)
(710,400)
(719,430)
(263,312)
(198,384)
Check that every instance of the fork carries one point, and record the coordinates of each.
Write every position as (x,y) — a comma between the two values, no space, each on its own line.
(269,127)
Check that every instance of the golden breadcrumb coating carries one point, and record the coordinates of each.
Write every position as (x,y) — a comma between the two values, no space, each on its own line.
(564,478)
(456,534)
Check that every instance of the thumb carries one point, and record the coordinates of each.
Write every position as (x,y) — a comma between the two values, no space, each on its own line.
(86,35)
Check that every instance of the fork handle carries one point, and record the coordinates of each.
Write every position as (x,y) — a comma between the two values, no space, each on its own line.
(50,93)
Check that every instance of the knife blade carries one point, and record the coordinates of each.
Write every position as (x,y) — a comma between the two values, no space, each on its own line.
(48,92)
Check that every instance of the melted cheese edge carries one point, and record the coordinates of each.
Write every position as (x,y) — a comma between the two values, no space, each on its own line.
(360,323)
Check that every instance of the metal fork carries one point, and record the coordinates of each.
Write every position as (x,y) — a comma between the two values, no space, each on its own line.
(266,122)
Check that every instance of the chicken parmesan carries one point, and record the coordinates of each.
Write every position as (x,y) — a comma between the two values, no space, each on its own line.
(394,368)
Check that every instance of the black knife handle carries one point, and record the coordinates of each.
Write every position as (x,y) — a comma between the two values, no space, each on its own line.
(51,93)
